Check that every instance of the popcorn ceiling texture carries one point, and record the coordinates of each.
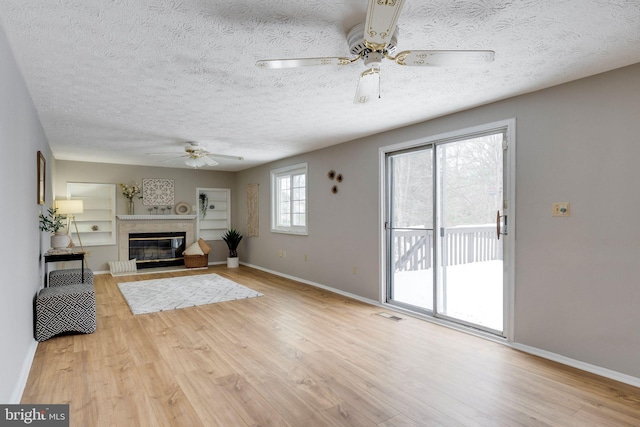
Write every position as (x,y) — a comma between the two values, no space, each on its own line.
(115,80)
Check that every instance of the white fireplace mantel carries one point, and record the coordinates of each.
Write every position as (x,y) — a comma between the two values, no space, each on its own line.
(153,224)
(153,217)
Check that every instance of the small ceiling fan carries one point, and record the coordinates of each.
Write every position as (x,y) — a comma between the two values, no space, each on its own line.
(375,40)
(196,156)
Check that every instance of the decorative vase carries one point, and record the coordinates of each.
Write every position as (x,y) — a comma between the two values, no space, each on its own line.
(60,240)
(233,262)
(132,210)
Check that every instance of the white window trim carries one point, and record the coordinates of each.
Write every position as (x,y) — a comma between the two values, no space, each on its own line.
(275,174)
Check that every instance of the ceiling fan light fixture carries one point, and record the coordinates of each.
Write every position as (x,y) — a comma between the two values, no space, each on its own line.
(368,86)
(194,162)
(373,59)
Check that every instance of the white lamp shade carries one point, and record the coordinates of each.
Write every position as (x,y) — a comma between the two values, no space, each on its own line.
(65,207)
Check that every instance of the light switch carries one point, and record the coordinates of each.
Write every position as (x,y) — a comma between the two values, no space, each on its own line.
(561,209)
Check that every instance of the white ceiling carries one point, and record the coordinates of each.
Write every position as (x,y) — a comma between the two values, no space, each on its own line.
(113,80)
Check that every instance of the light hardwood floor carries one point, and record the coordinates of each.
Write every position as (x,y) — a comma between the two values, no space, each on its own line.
(301,356)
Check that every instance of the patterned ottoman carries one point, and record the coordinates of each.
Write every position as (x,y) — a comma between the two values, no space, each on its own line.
(70,308)
(71,276)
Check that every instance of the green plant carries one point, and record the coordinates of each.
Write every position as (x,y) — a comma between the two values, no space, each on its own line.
(51,222)
(232,237)
(204,201)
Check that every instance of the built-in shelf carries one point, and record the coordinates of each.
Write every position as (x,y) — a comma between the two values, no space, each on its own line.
(96,224)
(216,220)
(154,217)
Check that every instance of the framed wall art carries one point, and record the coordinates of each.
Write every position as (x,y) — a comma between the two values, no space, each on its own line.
(42,178)
(157,192)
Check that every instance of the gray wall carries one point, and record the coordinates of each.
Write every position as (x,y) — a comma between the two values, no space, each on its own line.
(343,227)
(576,291)
(185,183)
(21,137)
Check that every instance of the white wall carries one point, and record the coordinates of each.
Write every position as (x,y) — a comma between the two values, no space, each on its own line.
(185,183)
(577,292)
(21,137)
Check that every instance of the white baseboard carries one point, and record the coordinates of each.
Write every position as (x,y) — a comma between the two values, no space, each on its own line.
(16,396)
(603,372)
(317,285)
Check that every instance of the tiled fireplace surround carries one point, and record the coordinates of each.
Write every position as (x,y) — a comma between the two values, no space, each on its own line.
(153,224)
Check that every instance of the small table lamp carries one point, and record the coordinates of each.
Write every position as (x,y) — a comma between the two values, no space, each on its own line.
(68,208)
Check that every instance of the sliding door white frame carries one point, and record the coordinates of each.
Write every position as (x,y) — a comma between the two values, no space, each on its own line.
(509,126)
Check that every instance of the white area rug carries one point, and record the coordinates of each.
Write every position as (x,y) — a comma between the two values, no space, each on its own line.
(149,296)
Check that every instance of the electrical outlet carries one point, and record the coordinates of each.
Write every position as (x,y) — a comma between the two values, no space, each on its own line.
(280,253)
(561,209)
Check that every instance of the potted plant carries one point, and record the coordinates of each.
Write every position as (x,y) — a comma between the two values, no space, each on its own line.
(53,223)
(204,202)
(232,238)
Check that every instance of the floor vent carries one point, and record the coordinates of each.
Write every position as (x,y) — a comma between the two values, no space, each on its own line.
(390,317)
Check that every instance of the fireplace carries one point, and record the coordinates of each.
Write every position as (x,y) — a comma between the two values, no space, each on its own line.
(159,249)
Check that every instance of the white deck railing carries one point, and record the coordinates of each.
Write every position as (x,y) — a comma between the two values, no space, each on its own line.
(413,249)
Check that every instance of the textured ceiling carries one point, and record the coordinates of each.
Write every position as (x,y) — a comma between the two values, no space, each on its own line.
(113,80)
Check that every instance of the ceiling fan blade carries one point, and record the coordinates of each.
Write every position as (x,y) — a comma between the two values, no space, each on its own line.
(382,17)
(444,58)
(224,156)
(302,62)
(168,159)
(368,86)
(209,161)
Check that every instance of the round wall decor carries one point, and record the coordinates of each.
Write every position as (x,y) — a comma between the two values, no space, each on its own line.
(183,209)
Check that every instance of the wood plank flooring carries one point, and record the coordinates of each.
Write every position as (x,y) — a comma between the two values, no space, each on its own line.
(301,356)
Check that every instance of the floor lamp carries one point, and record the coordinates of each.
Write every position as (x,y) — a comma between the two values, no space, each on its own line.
(69,208)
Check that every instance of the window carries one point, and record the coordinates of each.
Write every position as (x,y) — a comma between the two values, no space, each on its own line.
(289,199)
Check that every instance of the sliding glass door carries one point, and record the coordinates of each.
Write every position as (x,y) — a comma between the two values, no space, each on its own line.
(455,187)
(410,227)
(470,279)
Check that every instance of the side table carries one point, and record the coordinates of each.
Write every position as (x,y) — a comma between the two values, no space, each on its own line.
(61,256)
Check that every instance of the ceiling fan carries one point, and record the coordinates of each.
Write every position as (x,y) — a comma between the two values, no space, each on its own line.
(196,156)
(375,40)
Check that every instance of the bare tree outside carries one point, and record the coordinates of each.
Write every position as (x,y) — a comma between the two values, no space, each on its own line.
(471,180)
(413,189)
